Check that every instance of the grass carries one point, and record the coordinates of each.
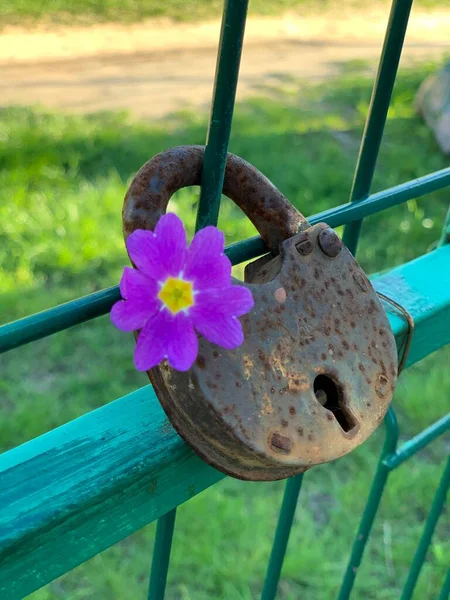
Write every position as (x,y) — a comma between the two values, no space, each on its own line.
(62,179)
(20,12)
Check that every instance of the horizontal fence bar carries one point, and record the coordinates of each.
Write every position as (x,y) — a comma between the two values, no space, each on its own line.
(416,188)
(34,327)
(129,467)
(428,530)
(417,443)
(64,316)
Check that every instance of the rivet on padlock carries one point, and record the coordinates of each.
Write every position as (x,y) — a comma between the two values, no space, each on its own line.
(317,369)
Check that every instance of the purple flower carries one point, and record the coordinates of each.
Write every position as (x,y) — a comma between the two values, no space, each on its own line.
(176,291)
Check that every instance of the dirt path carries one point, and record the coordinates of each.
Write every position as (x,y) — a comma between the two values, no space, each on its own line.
(155,68)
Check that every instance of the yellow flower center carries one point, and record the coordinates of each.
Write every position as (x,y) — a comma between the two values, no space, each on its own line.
(176,294)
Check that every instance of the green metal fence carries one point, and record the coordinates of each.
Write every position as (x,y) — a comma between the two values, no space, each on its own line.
(127,446)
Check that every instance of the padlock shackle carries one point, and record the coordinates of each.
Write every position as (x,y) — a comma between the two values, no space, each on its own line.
(150,191)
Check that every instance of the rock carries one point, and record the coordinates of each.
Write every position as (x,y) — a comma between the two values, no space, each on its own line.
(433,103)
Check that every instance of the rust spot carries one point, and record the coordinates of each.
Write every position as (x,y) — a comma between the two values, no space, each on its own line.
(360,282)
(284,423)
(310,437)
(381,386)
(200,361)
(362,368)
(215,354)
(281,443)
(304,247)
(300,431)
(346,345)
(323,356)
(292,410)
(238,384)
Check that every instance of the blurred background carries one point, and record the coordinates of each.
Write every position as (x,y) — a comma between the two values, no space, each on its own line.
(90,90)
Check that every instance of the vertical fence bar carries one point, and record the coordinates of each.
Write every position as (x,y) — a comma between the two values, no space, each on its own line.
(445,590)
(226,79)
(161,556)
(282,533)
(445,237)
(379,105)
(371,508)
(428,530)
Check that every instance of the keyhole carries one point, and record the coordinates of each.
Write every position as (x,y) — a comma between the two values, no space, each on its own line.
(330,397)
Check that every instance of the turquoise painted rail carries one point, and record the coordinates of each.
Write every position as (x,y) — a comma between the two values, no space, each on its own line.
(127,465)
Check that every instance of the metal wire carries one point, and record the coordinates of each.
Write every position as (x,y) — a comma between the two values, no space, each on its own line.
(410,333)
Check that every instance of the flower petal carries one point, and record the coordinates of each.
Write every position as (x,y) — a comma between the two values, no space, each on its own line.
(141,301)
(182,348)
(135,285)
(170,237)
(234,300)
(208,240)
(166,336)
(150,349)
(128,316)
(206,263)
(161,253)
(144,253)
(224,331)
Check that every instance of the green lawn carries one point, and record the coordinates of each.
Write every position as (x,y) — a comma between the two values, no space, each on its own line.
(62,179)
(21,12)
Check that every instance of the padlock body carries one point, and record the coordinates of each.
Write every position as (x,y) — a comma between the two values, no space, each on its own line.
(313,378)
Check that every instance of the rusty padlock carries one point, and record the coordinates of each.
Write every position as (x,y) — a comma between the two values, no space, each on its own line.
(317,369)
